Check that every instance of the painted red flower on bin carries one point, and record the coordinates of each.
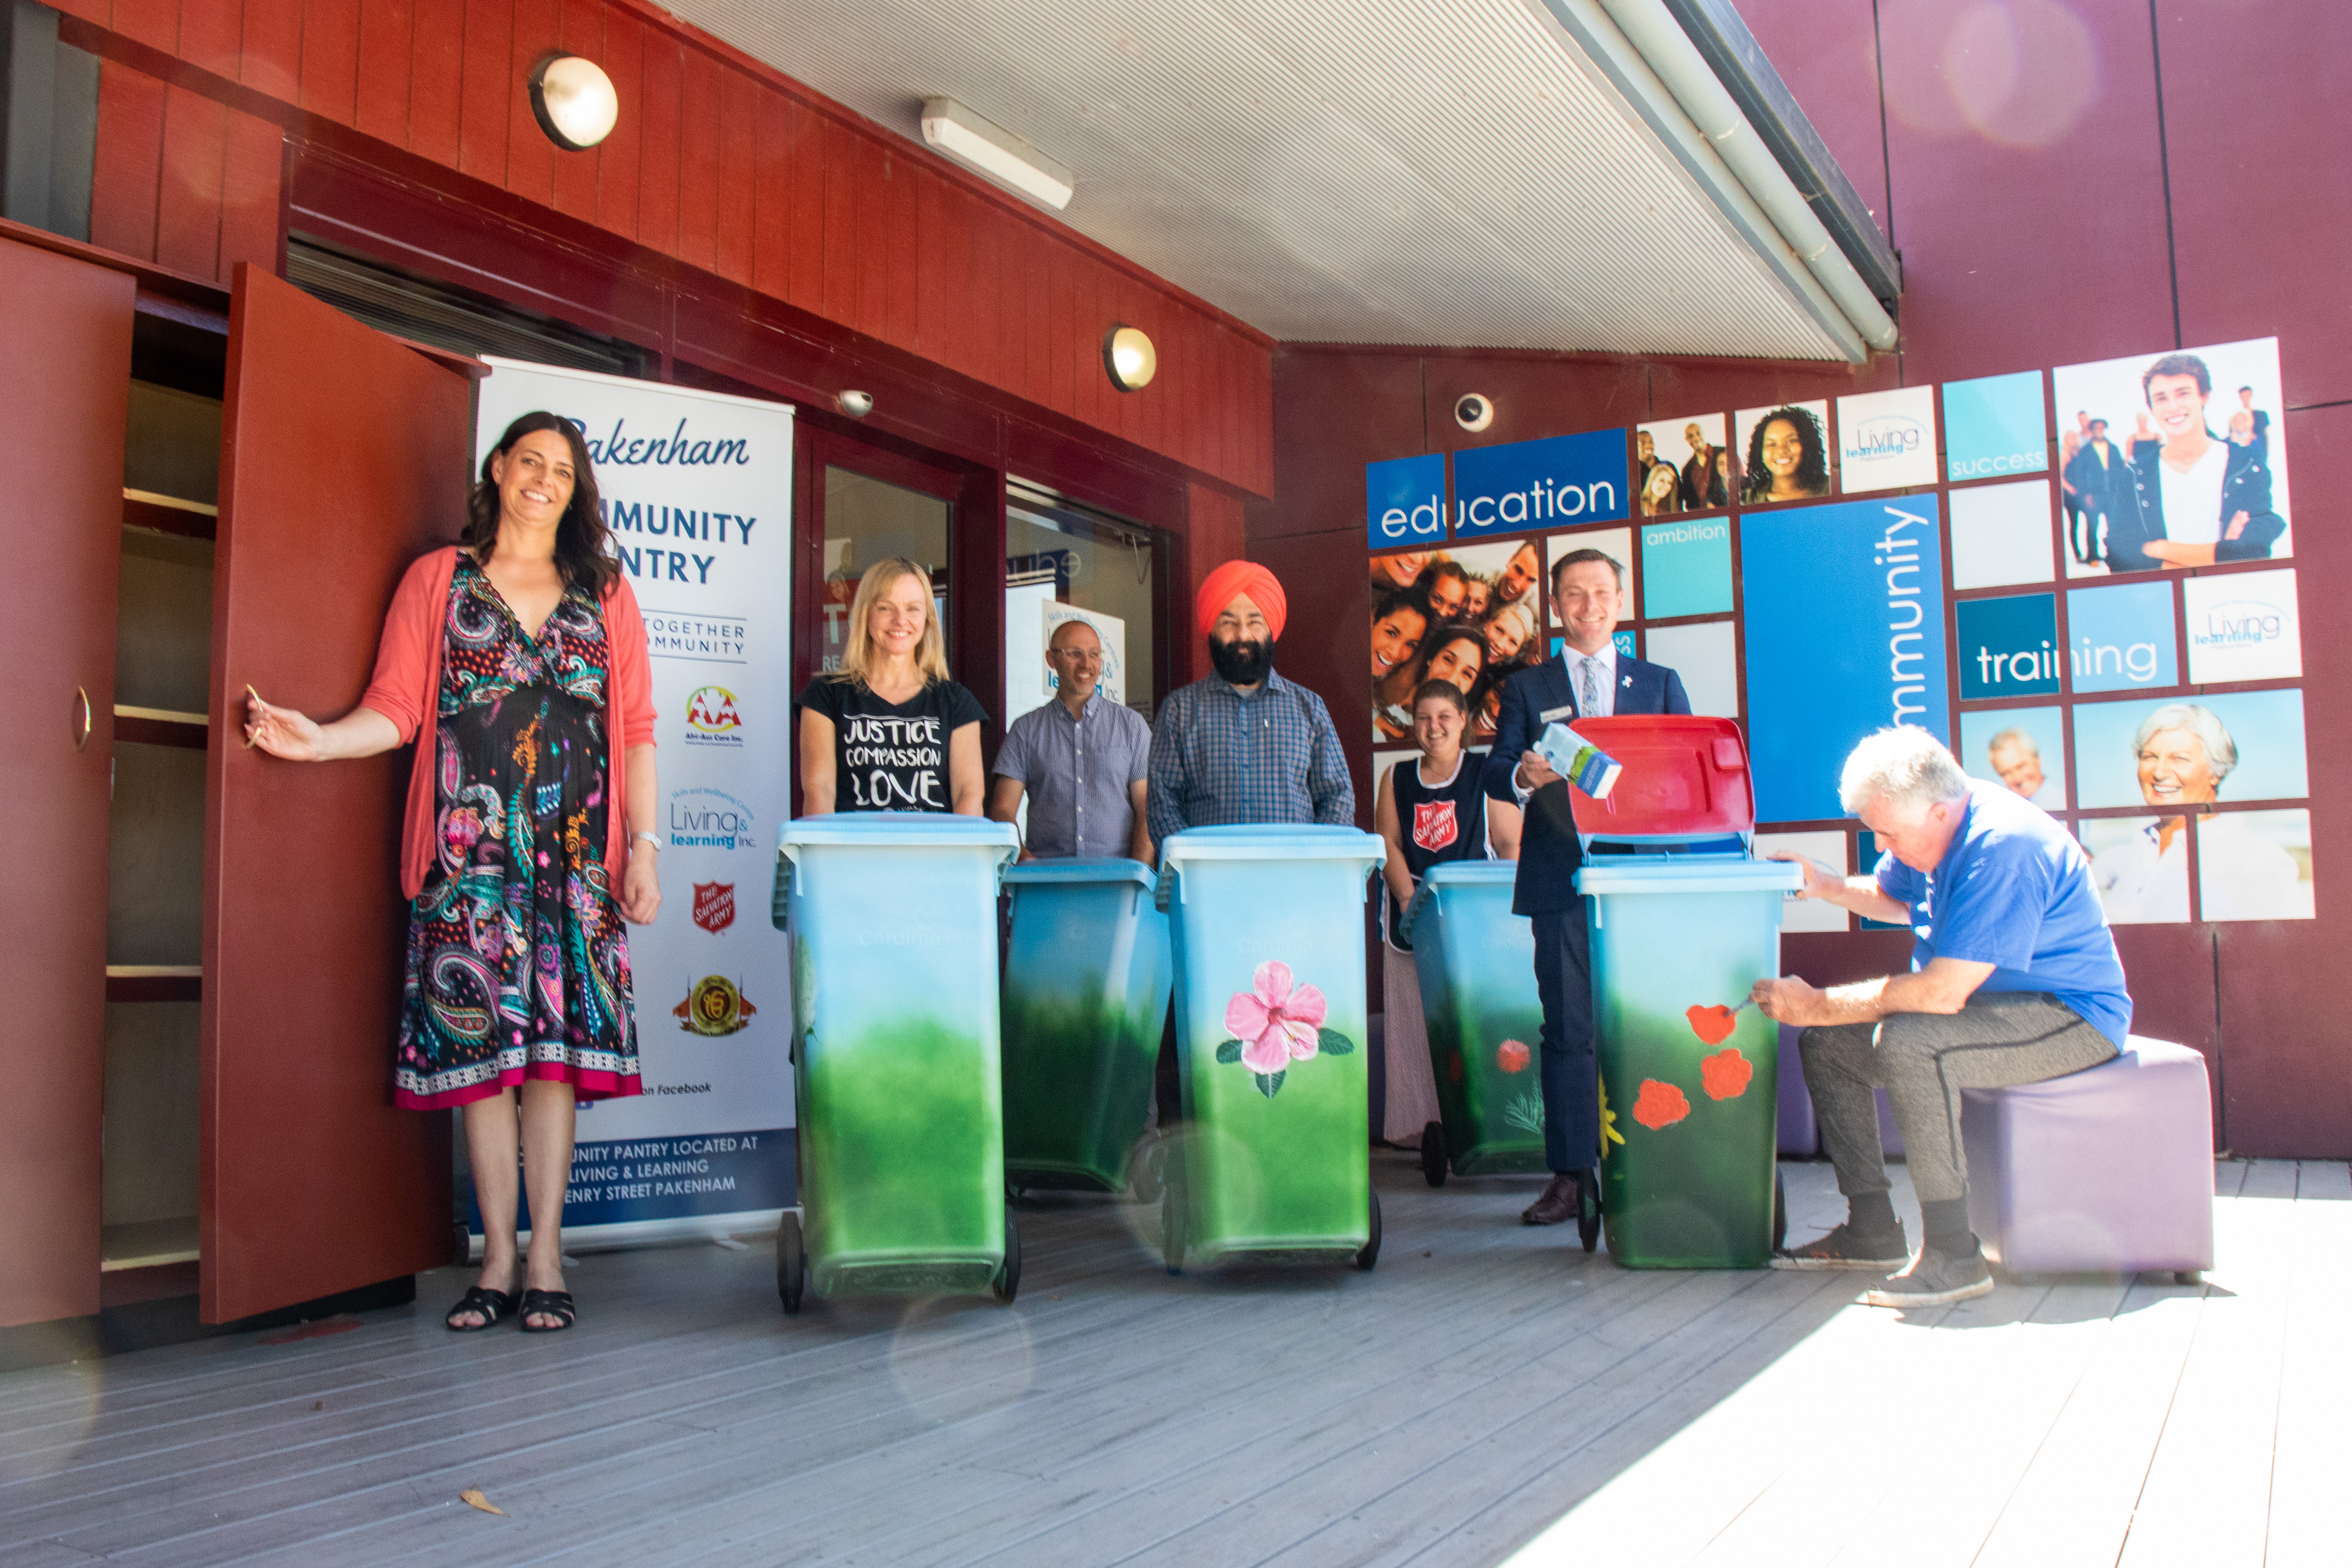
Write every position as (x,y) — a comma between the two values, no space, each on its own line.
(1659,1105)
(1725,1075)
(1712,1025)
(1512,1056)
(1277,1022)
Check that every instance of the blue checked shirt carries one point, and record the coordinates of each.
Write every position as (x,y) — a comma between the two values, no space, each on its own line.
(1219,756)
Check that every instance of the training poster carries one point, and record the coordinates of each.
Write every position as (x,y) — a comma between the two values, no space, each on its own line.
(696,489)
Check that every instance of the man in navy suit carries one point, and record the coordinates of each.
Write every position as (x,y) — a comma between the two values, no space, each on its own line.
(1589,679)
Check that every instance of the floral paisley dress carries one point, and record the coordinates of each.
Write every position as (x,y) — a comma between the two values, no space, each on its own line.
(518,963)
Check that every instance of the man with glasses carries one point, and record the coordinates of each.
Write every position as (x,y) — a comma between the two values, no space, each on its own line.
(1082,759)
(1589,679)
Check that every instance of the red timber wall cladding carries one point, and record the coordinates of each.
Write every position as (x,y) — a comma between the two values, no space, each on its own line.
(2098,190)
(717,162)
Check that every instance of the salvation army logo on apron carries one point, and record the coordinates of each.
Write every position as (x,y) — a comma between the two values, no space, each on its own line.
(1433,827)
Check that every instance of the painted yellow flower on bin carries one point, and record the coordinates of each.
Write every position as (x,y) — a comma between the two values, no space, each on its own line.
(1609,1134)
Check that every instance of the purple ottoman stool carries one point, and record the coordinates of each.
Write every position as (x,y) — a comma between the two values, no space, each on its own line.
(2107,1171)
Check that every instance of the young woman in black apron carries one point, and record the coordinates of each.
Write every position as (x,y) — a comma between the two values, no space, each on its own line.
(1430,809)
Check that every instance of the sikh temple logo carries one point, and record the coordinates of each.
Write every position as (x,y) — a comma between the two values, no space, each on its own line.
(714,1006)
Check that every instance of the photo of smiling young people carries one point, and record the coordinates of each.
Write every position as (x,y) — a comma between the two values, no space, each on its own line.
(1784,453)
(1465,614)
(2178,459)
(1691,450)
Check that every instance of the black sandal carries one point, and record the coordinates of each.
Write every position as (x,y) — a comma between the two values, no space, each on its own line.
(556,1304)
(489,1305)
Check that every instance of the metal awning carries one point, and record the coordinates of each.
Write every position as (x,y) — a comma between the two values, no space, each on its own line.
(1606,175)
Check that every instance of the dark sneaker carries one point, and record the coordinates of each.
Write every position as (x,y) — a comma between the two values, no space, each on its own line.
(1933,1280)
(1845,1248)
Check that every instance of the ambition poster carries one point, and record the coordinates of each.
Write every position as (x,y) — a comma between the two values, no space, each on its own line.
(1843,608)
(696,490)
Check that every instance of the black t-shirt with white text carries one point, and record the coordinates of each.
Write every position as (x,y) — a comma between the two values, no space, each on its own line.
(890,756)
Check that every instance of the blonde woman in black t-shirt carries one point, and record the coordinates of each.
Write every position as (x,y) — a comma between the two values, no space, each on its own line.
(890,731)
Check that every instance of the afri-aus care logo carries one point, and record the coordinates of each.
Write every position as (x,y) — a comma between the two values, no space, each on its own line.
(712,718)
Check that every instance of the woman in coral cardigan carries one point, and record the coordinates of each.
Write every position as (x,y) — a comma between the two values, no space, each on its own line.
(530,836)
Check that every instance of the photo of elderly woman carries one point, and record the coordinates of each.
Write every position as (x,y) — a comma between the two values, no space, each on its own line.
(1466,615)
(1788,452)
(2180,463)
(2182,753)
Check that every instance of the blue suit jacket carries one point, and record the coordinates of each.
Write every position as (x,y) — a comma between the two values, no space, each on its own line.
(1549,852)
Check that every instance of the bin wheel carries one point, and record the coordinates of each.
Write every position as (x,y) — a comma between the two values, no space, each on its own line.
(1370,1253)
(1143,1169)
(1432,1153)
(1007,1283)
(1171,1213)
(791,1262)
(1780,1210)
(1588,1210)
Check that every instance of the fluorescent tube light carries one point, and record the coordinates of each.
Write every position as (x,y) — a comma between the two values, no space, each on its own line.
(995,152)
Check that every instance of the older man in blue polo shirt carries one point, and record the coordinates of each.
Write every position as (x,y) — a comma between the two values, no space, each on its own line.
(2014,979)
(1080,759)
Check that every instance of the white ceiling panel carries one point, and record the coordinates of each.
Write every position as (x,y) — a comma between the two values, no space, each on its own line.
(1379,172)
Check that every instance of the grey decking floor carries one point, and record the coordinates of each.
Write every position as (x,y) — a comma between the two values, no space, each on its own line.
(1488,1391)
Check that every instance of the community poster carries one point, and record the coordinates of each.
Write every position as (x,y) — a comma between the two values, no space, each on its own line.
(696,489)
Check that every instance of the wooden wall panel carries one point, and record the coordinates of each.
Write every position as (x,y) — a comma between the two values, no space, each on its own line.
(530,156)
(270,57)
(697,161)
(330,58)
(739,120)
(252,181)
(2235,127)
(130,160)
(716,162)
(621,158)
(576,174)
(188,215)
(436,81)
(212,37)
(387,41)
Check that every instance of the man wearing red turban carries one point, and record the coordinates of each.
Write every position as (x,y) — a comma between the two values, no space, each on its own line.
(1244,744)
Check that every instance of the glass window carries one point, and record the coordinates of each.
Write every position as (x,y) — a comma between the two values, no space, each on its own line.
(867,521)
(1062,561)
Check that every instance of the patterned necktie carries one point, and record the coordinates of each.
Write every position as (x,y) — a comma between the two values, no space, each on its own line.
(1588,700)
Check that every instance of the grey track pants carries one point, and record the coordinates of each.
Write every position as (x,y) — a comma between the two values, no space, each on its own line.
(1923,1060)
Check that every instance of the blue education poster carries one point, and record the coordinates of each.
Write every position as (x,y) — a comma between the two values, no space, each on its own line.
(1842,606)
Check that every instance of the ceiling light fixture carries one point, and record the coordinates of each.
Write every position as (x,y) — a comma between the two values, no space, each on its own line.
(1129,357)
(995,152)
(573,101)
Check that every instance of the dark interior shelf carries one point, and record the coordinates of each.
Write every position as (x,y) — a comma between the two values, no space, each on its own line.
(169,514)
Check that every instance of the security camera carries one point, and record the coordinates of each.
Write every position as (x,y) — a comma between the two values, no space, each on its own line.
(857,405)
(1474,411)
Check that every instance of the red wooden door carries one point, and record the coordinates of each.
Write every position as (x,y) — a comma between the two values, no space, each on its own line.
(345,456)
(65,340)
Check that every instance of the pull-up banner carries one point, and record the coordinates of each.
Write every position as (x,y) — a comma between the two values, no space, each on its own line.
(696,490)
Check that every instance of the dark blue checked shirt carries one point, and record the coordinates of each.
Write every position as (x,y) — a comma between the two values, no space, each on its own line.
(1221,756)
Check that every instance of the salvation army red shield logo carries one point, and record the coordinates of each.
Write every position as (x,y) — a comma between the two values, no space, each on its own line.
(1433,827)
(714,906)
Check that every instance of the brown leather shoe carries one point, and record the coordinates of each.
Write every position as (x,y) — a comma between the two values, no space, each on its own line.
(1558,1205)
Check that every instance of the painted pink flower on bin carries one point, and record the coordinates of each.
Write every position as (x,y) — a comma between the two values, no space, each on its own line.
(1275,1021)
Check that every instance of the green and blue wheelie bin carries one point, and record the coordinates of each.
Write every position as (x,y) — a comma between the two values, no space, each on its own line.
(892,917)
(1266,924)
(1475,963)
(1087,977)
(1685,921)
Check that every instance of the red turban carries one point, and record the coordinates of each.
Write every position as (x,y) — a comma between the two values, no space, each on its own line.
(1231,581)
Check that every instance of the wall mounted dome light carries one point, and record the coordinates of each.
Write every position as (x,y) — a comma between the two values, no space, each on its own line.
(1129,357)
(573,101)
